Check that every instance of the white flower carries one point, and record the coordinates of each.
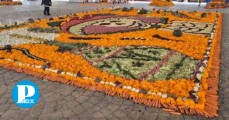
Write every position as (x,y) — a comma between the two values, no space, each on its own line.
(184,98)
(137,90)
(133,89)
(197,84)
(111,83)
(196,89)
(102,82)
(201,69)
(205,62)
(164,96)
(129,87)
(68,73)
(159,93)
(153,93)
(199,76)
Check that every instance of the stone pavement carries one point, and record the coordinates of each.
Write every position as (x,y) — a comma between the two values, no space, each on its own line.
(60,101)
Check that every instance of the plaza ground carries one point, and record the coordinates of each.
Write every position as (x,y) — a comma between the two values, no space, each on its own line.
(61,101)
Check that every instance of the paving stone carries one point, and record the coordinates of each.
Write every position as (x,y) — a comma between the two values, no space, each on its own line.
(50,104)
(187,117)
(94,100)
(113,107)
(77,94)
(8,73)
(147,115)
(75,117)
(30,118)
(35,113)
(3,101)
(88,93)
(10,114)
(7,96)
(78,109)
(46,116)
(117,100)
(66,92)
(4,107)
(14,107)
(3,88)
(177,117)
(48,110)
(106,111)
(135,115)
(102,104)
(3,71)
(162,118)
(82,99)
(225,114)
(119,114)
(163,113)
(98,114)
(112,117)
(87,105)
(128,102)
(69,98)
(57,116)
(85,115)
(68,113)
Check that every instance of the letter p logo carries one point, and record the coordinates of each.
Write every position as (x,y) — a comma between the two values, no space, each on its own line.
(22,94)
(25,94)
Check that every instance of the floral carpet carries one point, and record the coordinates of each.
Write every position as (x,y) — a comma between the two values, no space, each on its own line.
(10,2)
(167,59)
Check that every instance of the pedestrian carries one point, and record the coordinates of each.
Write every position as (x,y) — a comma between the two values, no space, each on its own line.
(199,2)
(47,4)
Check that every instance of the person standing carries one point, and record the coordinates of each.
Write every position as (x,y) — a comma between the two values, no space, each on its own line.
(47,4)
(199,2)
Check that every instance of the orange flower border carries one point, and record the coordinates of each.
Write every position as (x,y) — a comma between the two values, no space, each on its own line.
(11,3)
(209,109)
(161,3)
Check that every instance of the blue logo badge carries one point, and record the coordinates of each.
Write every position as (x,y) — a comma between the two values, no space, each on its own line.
(25,94)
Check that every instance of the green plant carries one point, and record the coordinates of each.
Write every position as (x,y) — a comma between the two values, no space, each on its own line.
(164,20)
(177,33)
(43,30)
(54,24)
(142,11)
(31,20)
(125,9)
(203,15)
(51,18)
(131,8)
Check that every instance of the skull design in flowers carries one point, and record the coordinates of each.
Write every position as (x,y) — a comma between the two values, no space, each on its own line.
(110,24)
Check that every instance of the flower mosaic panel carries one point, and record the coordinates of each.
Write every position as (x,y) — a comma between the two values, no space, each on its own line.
(191,27)
(158,58)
